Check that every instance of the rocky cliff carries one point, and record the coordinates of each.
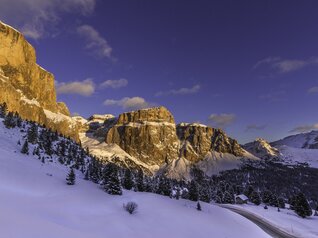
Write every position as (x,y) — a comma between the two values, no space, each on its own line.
(27,88)
(262,149)
(151,136)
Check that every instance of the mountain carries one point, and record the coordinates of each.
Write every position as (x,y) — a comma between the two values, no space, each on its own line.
(146,139)
(27,88)
(262,149)
(295,149)
(149,139)
(307,140)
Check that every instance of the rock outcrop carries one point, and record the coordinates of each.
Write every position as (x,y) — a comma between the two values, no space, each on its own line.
(197,140)
(27,88)
(262,149)
(148,135)
(152,136)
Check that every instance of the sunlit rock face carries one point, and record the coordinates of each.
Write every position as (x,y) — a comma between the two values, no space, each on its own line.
(27,88)
(198,140)
(149,135)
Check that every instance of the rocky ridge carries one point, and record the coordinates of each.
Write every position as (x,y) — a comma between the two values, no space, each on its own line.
(27,88)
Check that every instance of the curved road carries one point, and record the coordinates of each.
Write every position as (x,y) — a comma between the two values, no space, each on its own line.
(264,225)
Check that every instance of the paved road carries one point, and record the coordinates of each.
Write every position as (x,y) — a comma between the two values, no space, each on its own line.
(266,226)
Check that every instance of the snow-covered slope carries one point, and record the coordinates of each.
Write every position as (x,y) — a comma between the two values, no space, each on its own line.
(37,203)
(307,140)
(262,149)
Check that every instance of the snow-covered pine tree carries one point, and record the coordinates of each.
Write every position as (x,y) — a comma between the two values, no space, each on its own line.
(111,182)
(70,178)
(25,148)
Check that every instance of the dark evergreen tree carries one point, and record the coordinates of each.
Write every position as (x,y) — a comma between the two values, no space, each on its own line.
(111,182)
(140,181)
(70,179)
(199,206)
(193,191)
(25,148)
(301,206)
(33,133)
(255,198)
(128,182)
(9,120)
(281,202)
(3,110)
(228,198)
(164,186)
(266,196)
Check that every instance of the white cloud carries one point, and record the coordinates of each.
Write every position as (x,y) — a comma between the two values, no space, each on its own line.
(83,88)
(313,90)
(120,83)
(132,103)
(36,18)
(95,41)
(222,120)
(304,128)
(286,65)
(181,91)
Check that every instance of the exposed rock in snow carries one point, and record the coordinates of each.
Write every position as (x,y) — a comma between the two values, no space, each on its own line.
(262,149)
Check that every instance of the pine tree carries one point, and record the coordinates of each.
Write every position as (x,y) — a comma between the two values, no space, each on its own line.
(193,191)
(140,181)
(25,148)
(70,179)
(111,181)
(301,206)
(33,133)
(199,206)
(228,197)
(266,196)
(128,182)
(9,120)
(255,198)
(164,186)
(3,110)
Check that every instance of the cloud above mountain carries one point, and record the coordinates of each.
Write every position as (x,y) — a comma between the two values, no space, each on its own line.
(83,88)
(129,103)
(304,128)
(222,120)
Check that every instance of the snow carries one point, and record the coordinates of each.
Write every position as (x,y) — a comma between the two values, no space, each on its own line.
(192,124)
(59,117)
(292,155)
(242,196)
(285,219)
(303,140)
(37,203)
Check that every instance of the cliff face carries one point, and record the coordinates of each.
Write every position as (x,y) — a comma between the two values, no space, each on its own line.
(27,88)
(197,140)
(151,136)
(148,135)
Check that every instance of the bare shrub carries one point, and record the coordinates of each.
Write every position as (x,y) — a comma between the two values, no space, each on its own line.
(131,207)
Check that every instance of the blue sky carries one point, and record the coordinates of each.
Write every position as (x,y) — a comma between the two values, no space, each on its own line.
(250,67)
